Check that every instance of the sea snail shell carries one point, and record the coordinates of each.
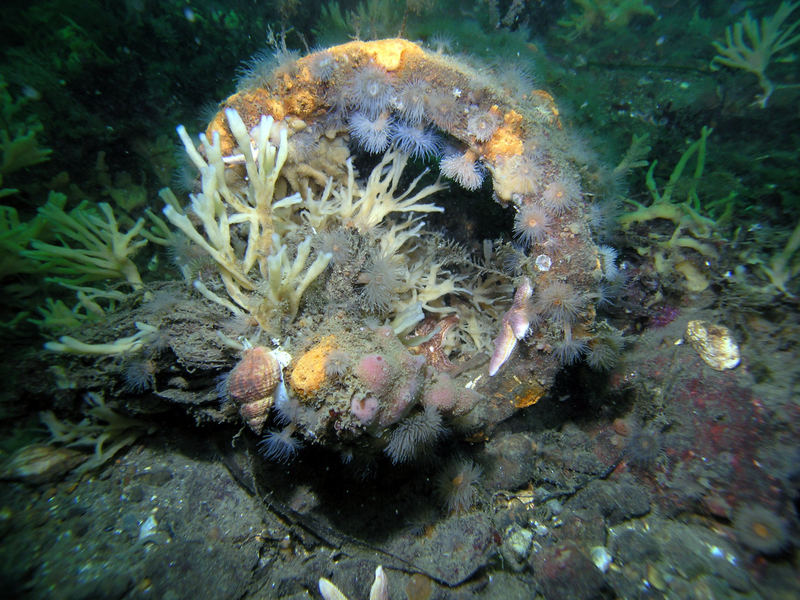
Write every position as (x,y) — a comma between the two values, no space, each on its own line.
(252,384)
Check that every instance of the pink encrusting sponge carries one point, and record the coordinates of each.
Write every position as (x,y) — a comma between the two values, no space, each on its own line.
(373,370)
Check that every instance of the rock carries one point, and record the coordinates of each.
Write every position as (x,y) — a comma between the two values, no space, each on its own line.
(617,502)
(630,546)
(564,571)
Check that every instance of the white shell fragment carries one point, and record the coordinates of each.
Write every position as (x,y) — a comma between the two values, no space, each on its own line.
(543,262)
(714,344)
(378,591)
(520,541)
(601,558)
(148,529)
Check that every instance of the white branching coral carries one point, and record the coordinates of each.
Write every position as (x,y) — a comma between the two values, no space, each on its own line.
(365,208)
(245,230)
(765,39)
(102,425)
(90,246)
(119,346)
(433,283)
(262,245)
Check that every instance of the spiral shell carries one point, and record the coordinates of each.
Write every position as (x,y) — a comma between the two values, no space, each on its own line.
(252,383)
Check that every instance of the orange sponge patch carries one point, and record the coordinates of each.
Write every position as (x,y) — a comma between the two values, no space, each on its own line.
(308,374)
(507,140)
(301,103)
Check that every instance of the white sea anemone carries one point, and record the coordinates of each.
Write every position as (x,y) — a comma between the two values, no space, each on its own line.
(371,133)
(415,435)
(559,301)
(417,141)
(380,278)
(411,97)
(531,224)
(561,195)
(483,124)
(464,169)
(370,90)
(456,485)
(280,446)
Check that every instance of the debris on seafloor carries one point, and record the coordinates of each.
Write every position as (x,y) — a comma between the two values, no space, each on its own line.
(714,343)
(378,591)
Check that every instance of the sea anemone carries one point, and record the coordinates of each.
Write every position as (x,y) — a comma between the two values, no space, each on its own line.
(531,224)
(513,78)
(370,90)
(322,65)
(464,169)
(579,147)
(380,280)
(604,295)
(483,124)
(604,350)
(264,66)
(761,530)
(256,71)
(603,217)
(336,363)
(157,342)
(189,258)
(601,356)
(441,43)
(304,144)
(221,386)
(414,435)
(559,301)
(644,449)
(608,262)
(287,408)
(417,141)
(280,446)
(338,243)
(523,173)
(184,178)
(240,324)
(456,485)
(138,375)
(560,195)
(162,301)
(597,218)
(569,350)
(411,97)
(371,133)
(444,109)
